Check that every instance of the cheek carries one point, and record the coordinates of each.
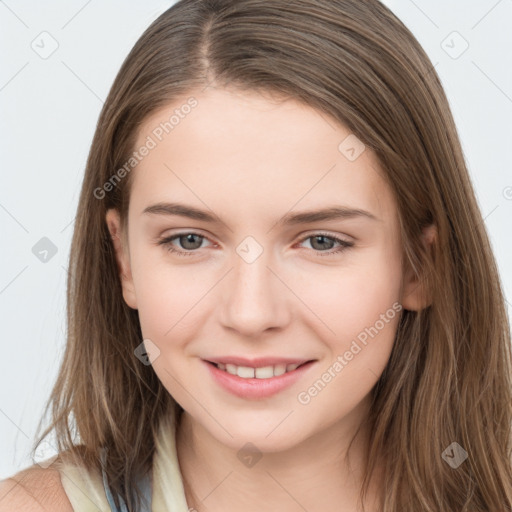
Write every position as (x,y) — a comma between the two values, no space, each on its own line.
(166,293)
(362,308)
(356,356)
(369,296)
(347,299)
(370,319)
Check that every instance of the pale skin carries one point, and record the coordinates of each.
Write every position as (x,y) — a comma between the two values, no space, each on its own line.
(250,160)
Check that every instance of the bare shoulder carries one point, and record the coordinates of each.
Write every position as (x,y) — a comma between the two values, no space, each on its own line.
(34,489)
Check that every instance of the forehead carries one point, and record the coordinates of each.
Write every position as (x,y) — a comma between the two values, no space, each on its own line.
(241,150)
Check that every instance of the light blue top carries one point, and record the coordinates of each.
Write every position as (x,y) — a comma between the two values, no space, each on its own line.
(144,484)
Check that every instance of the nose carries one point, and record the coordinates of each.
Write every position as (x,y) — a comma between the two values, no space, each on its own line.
(253,297)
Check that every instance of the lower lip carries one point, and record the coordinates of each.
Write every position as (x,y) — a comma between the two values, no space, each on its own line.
(256,388)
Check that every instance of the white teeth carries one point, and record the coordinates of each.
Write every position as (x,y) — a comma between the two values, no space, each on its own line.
(264,372)
(245,372)
(231,368)
(279,369)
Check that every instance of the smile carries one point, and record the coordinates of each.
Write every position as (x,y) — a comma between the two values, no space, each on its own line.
(262,380)
(262,372)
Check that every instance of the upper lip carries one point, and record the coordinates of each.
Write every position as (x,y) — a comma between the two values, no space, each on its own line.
(257,362)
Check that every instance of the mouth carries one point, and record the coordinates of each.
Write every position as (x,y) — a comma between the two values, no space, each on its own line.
(256,380)
(258,372)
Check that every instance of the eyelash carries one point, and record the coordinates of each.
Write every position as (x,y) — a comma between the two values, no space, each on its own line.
(166,242)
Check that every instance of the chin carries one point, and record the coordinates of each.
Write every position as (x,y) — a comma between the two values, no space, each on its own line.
(266,436)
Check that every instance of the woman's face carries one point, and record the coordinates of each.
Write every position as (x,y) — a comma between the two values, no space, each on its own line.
(258,282)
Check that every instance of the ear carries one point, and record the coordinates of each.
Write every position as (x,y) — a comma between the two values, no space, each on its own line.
(415,296)
(122,256)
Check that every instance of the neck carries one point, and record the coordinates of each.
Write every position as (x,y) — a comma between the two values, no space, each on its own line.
(315,475)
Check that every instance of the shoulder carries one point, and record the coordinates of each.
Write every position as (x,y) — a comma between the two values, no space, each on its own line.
(34,489)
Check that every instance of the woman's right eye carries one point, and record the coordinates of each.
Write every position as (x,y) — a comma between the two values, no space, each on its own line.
(185,239)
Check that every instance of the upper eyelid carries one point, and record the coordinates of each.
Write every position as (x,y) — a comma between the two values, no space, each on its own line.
(174,236)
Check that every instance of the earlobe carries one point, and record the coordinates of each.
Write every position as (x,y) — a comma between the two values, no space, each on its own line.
(415,295)
(113,221)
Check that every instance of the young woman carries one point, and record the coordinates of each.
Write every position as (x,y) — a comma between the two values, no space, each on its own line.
(282,295)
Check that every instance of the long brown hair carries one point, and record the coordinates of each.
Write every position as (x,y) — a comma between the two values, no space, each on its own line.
(449,375)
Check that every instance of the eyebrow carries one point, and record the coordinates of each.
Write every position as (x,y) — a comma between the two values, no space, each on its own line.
(291,218)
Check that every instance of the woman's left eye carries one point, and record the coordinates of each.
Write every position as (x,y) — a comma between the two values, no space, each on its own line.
(319,240)
(190,239)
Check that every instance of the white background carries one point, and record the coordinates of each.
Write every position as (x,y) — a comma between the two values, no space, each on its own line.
(49,108)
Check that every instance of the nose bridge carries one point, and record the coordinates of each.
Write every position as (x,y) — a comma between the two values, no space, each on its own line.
(253,299)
